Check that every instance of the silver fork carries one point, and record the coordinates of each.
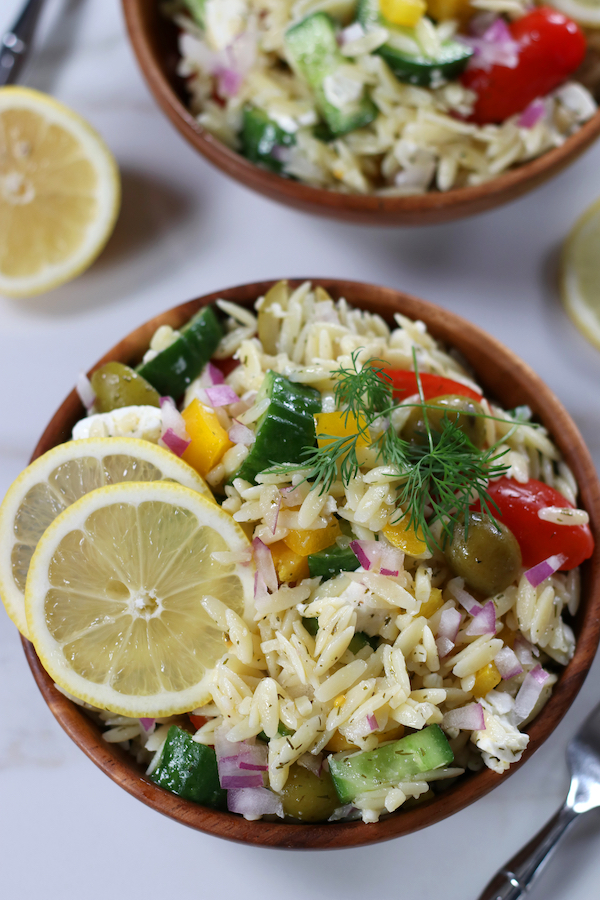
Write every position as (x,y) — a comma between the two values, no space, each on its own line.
(15,43)
(514,879)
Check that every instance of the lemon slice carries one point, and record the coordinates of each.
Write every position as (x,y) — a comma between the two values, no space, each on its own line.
(59,193)
(57,479)
(114,596)
(585,12)
(580,274)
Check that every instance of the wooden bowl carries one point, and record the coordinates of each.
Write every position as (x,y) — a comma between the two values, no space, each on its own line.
(504,377)
(154,40)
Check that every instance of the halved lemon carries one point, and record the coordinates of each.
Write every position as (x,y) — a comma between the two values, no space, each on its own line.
(58,478)
(59,193)
(580,274)
(114,596)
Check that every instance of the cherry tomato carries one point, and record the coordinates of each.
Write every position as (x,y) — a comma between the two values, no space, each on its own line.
(551,47)
(404,385)
(226,365)
(197,721)
(519,505)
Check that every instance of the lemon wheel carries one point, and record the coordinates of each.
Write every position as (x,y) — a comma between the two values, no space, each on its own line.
(580,274)
(114,596)
(58,478)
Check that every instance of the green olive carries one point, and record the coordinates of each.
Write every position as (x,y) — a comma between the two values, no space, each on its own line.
(488,558)
(308,797)
(116,385)
(464,412)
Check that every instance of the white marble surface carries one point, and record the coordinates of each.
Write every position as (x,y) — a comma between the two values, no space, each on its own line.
(66,831)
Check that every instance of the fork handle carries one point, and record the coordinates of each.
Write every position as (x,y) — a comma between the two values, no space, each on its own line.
(15,44)
(514,879)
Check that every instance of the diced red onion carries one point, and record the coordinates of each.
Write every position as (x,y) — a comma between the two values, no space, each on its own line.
(221,395)
(233,782)
(172,418)
(265,567)
(241,434)
(373,725)
(391,559)
(484,620)
(450,620)
(467,718)
(314,763)
(456,588)
(342,812)
(366,552)
(373,554)
(271,517)
(176,444)
(493,47)
(148,724)
(529,692)
(507,663)
(444,646)
(84,388)
(525,651)
(240,763)
(545,569)
(532,114)
(254,767)
(252,803)
(215,374)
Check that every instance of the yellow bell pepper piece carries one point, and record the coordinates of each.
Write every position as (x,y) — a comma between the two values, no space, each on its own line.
(405,538)
(403,12)
(304,541)
(486,679)
(289,566)
(432,605)
(337,424)
(461,10)
(338,743)
(209,438)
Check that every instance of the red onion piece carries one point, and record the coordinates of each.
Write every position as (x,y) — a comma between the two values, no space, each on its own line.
(148,724)
(265,566)
(545,569)
(311,762)
(84,388)
(467,718)
(391,559)
(450,620)
(366,552)
(221,395)
(252,803)
(272,516)
(456,588)
(172,418)
(484,620)
(254,767)
(232,782)
(494,47)
(241,434)
(215,375)
(525,651)
(529,692)
(532,114)
(176,444)
(373,724)
(444,646)
(507,663)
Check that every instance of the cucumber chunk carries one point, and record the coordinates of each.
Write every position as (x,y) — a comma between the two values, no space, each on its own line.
(197,11)
(357,773)
(260,136)
(189,770)
(314,53)
(413,66)
(174,368)
(285,429)
(331,561)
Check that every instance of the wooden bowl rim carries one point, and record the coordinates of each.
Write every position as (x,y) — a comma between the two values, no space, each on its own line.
(433,206)
(450,328)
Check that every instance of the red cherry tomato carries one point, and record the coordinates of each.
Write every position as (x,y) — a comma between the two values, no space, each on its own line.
(404,384)
(519,505)
(197,721)
(551,47)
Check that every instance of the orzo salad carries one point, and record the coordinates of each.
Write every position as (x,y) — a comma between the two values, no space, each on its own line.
(394,97)
(384,562)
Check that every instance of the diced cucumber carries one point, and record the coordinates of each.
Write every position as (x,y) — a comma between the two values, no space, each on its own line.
(196,10)
(357,773)
(174,368)
(331,561)
(189,770)
(413,67)
(313,52)
(285,429)
(260,136)
(360,640)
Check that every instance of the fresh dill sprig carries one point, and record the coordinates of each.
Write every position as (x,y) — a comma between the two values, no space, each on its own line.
(363,392)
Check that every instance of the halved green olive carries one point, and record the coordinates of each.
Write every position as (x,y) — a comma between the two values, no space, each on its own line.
(116,385)
(485,554)
(466,413)
(308,797)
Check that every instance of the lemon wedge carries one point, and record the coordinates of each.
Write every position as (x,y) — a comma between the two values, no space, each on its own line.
(58,478)
(59,193)
(580,274)
(114,596)
(585,12)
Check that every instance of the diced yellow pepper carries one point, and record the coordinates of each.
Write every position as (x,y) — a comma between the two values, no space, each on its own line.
(209,438)
(486,679)
(440,10)
(432,605)
(338,743)
(405,538)
(289,566)
(338,424)
(403,12)
(303,541)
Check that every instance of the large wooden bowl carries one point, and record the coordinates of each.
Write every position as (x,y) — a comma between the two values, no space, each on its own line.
(504,377)
(154,41)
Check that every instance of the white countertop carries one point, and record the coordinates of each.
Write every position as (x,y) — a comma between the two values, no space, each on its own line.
(66,831)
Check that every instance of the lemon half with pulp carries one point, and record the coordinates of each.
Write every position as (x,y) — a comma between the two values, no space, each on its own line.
(580,274)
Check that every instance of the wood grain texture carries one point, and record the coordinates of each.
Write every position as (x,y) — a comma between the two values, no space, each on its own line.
(505,378)
(154,40)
